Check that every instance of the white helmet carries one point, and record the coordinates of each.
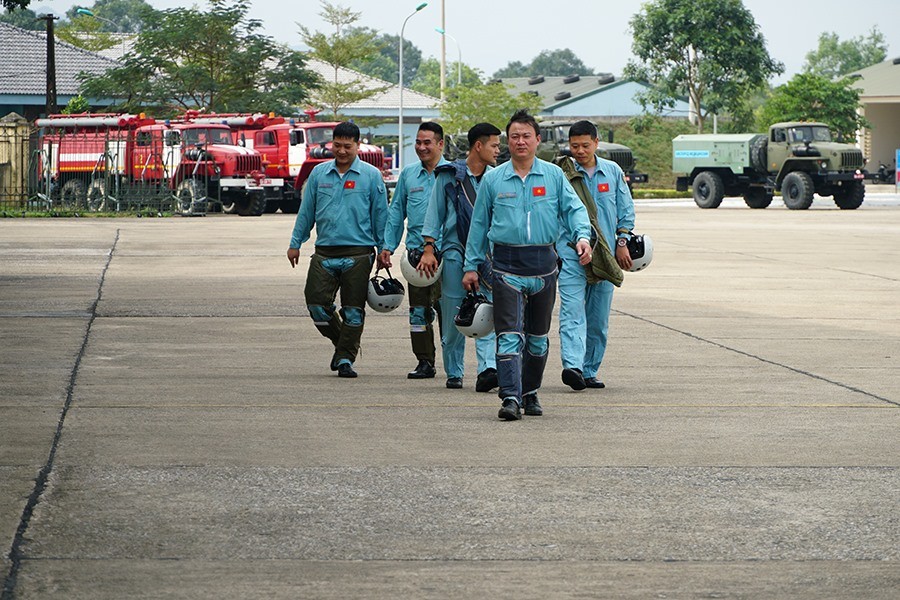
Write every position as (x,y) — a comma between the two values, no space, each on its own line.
(475,318)
(385,293)
(408,263)
(640,247)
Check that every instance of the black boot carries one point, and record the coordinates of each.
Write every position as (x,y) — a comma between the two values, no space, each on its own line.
(424,370)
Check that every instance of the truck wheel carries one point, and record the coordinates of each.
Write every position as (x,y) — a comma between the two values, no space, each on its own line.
(73,194)
(229,206)
(188,195)
(708,190)
(797,190)
(290,205)
(757,198)
(252,204)
(850,196)
(759,154)
(96,196)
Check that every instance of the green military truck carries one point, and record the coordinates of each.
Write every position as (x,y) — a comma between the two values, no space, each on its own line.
(798,159)
(555,139)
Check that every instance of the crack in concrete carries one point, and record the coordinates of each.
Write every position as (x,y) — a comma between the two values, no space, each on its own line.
(40,483)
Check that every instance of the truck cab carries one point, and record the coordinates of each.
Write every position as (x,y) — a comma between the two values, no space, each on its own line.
(555,140)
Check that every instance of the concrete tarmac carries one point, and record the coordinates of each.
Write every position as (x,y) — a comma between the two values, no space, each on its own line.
(169,427)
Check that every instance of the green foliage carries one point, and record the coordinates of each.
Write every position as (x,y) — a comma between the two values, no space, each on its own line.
(551,63)
(15,4)
(122,16)
(834,58)
(384,64)
(86,32)
(341,49)
(491,103)
(514,68)
(708,50)
(77,105)
(428,79)
(650,139)
(809,97)
(216,60)
(24,18)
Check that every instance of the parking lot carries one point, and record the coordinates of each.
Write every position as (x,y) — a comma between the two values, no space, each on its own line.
(169,426)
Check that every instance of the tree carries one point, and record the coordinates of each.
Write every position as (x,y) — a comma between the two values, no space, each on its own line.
(77,105)
(121,16)
(385,63)
(552,63)
(15,4)
(24,18)
(558,63)
(834,58)
(809,97)
(708,50)
(513,68)
(86,32)
(428,79)
(216,60)
(340,50)
(492,103)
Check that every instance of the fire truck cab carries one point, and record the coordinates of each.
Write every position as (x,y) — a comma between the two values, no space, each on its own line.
(290,149)
(87,157)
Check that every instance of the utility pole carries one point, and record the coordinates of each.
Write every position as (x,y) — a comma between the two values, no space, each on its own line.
(51,107)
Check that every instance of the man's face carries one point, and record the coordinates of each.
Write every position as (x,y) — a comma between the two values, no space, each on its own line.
(488,150)
(523,141)
(428,146)
(345,151)
(583,149)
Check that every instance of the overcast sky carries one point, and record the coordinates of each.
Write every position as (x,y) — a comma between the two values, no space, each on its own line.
(492,33)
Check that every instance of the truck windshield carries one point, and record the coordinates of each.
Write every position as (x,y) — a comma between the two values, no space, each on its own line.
(810,134)
(203,135)
(319,135)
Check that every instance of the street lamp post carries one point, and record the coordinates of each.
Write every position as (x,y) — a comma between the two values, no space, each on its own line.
(89,13)
(400,141)
(458,53)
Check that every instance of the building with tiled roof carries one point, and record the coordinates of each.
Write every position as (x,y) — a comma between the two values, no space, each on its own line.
(23,83)
(23,70)
(879,94)
(596,97)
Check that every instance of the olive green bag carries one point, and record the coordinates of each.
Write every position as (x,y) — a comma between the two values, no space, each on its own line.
(603,265)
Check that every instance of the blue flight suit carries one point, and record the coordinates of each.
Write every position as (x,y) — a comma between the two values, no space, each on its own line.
(584,308)
(441,225)
(349,213)
(409,203)
(522,218)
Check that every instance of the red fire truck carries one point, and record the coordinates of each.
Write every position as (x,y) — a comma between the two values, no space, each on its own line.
(93,159)
(290,149)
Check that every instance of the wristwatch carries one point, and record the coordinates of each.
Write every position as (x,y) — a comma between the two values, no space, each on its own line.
(428,244)
(621,242)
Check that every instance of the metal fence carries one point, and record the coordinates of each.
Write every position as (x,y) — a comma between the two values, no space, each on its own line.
(33,180)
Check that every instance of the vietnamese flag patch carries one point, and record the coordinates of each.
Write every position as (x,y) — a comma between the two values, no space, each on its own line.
(539,191)
(602,187)
(350,185)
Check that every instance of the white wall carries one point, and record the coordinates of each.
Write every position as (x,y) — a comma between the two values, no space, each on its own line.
(884,135)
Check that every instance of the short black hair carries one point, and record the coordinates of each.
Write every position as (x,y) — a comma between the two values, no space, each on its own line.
(434,128)
(346,130)
(522,116)
(481,131)
(583,128)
